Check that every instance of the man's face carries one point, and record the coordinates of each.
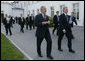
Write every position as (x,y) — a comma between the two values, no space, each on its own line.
(44,10)
(66,10)
(9,16)
(6,15)
(72,14)
(28,15)
(58,13)
(21,15)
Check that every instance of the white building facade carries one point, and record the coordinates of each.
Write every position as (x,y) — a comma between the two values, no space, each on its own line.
(33,7)
(53,6)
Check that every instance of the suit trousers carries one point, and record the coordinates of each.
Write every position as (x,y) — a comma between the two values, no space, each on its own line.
(8,28)
(49,44)
(60,36)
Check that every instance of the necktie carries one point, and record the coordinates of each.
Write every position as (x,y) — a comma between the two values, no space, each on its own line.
(67,17)
(44,17)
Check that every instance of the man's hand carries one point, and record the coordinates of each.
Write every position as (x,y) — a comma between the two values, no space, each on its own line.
(64,31)
(46,22)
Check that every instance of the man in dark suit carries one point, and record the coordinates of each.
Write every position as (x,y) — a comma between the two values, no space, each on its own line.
(42,22)
(56,21)
(16,19)
(72,19)
(12,21)
(21,23)
(7,23)
(64,28)
(31,22)
(27,21)
(32,17)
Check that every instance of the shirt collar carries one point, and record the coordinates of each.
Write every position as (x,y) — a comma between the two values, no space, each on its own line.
(65,13)
(42,14)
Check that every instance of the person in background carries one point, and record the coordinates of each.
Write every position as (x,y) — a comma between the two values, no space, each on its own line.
(56,22)
(12,21)
(27,21)
(21,23)
(7,24)
(72,20)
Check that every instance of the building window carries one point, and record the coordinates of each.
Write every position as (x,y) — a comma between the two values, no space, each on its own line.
(52,11)
(76,10)
(24,4)
(61,8)
(21,5)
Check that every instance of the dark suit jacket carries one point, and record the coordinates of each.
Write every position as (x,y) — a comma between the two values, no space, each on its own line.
(27,20)
(21,22)
(64,24)
(42,29)
(55,20)
(73,20)
(31,21)
(5,22)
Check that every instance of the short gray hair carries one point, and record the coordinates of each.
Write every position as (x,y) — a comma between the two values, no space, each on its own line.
(64,8)
(41,8)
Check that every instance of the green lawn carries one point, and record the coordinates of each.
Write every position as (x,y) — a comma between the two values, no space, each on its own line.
(8,51)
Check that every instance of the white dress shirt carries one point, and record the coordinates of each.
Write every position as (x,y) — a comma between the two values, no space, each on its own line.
(8,19)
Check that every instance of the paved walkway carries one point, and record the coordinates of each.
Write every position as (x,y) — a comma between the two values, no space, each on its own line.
(27,42)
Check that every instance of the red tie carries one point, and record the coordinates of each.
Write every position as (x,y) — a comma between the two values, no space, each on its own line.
(44,17)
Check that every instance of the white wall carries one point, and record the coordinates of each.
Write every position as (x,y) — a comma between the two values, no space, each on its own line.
(6,8)
(17,12)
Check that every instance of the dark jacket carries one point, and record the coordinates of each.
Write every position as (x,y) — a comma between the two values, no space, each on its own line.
(5,22)
(27,20)
(64,24)
(31,20)
(21,22)
(73,20)
(42,30)
(55,20)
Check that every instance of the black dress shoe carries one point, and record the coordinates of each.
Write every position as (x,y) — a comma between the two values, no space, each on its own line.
(60,50)
(72,51)
(50,57)
(10,34)
(40,55)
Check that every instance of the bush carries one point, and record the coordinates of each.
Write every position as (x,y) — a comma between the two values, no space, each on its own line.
(51,21)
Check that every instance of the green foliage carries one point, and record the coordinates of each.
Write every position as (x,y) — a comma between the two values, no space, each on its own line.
(51,21)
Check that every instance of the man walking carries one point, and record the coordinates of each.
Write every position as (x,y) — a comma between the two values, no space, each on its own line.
(64,28)
(7,23)
(21,23)
(42,22)
(72,19)
(27,21)
(56,21)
